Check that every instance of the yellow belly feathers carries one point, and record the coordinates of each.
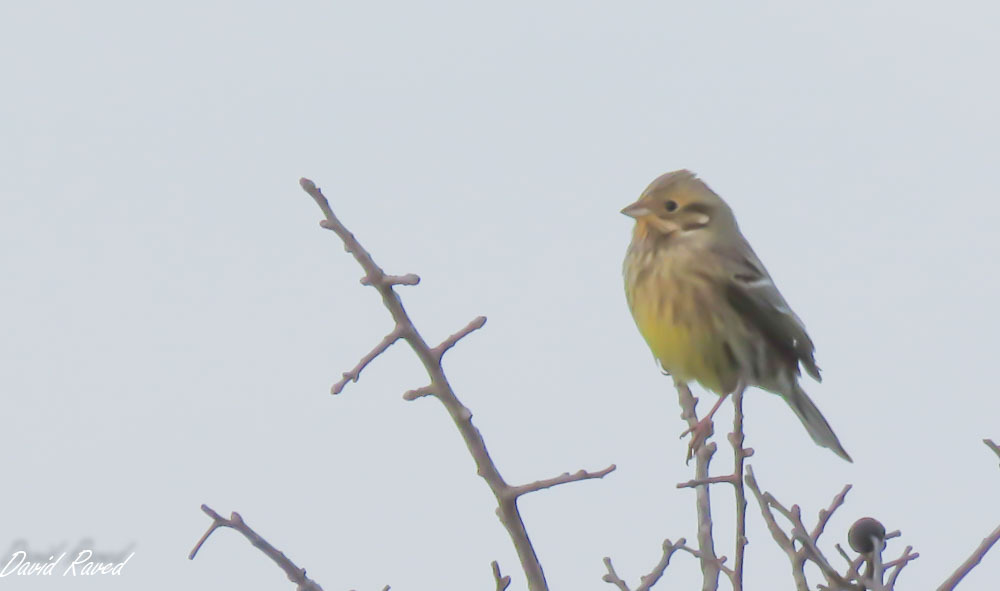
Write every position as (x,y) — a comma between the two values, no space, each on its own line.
(681,328)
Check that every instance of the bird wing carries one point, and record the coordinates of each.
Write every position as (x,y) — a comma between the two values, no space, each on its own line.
(751,292)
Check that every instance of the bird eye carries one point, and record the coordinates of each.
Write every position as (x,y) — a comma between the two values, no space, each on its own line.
(670,205)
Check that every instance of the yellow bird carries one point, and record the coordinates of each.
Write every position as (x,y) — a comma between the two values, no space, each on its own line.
(706,306)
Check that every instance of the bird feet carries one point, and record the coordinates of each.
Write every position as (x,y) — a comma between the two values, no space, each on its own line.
(700,432)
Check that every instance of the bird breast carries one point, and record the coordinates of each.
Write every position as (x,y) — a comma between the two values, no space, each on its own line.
(672,303)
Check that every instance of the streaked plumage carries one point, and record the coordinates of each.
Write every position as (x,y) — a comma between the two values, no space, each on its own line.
(706,306)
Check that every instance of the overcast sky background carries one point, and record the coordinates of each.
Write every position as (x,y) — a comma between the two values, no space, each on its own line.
(173,316)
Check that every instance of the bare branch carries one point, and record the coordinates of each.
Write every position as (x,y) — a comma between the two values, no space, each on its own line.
(871,580)
(502,581)
(993,446)
(987,543)
(646,582)
(390,280)
(295,574)
(740,454)
(897,566)
(703,457)
(826,514)
(711,564)
(564,478)
(727,479)
(355,373)
(720,562)
(612,577)
(439,386)
(778,534)
(810,551)
(971,562)
(776,504)
(418,393)
(800,533)
(853,566)
(451,341)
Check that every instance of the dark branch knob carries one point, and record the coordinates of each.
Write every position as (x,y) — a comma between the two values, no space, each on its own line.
(863,533)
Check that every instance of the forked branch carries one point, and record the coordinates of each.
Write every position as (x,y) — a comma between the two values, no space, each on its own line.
(712,565)
(503,581)
(802,545)
(710,562)
(441,389)
(295,574)
(646,581)
(978,554)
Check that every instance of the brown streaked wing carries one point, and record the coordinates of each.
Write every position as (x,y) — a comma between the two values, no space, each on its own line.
(751,292)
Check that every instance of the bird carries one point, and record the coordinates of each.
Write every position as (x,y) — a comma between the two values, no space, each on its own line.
(708,309)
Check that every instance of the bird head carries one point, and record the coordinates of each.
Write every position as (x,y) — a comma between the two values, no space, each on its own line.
(678,203)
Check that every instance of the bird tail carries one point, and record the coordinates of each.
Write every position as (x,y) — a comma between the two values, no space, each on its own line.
(814,422)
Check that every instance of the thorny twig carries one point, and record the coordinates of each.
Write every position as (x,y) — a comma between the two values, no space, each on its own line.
(808,549)
(853,564)
(740,454)
(703,457)
(503,581)
(711,564)
(897,566)
(441,389)
(984,547)
(859,581)
(993,446)
(801,546)
(646,581)
(778,534)
(563,478)
(972,561)
(295,574)
(355,373)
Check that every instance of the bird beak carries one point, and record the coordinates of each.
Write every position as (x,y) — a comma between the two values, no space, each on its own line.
(637,210)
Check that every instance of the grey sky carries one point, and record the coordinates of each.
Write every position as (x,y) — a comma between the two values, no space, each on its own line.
(173,316)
